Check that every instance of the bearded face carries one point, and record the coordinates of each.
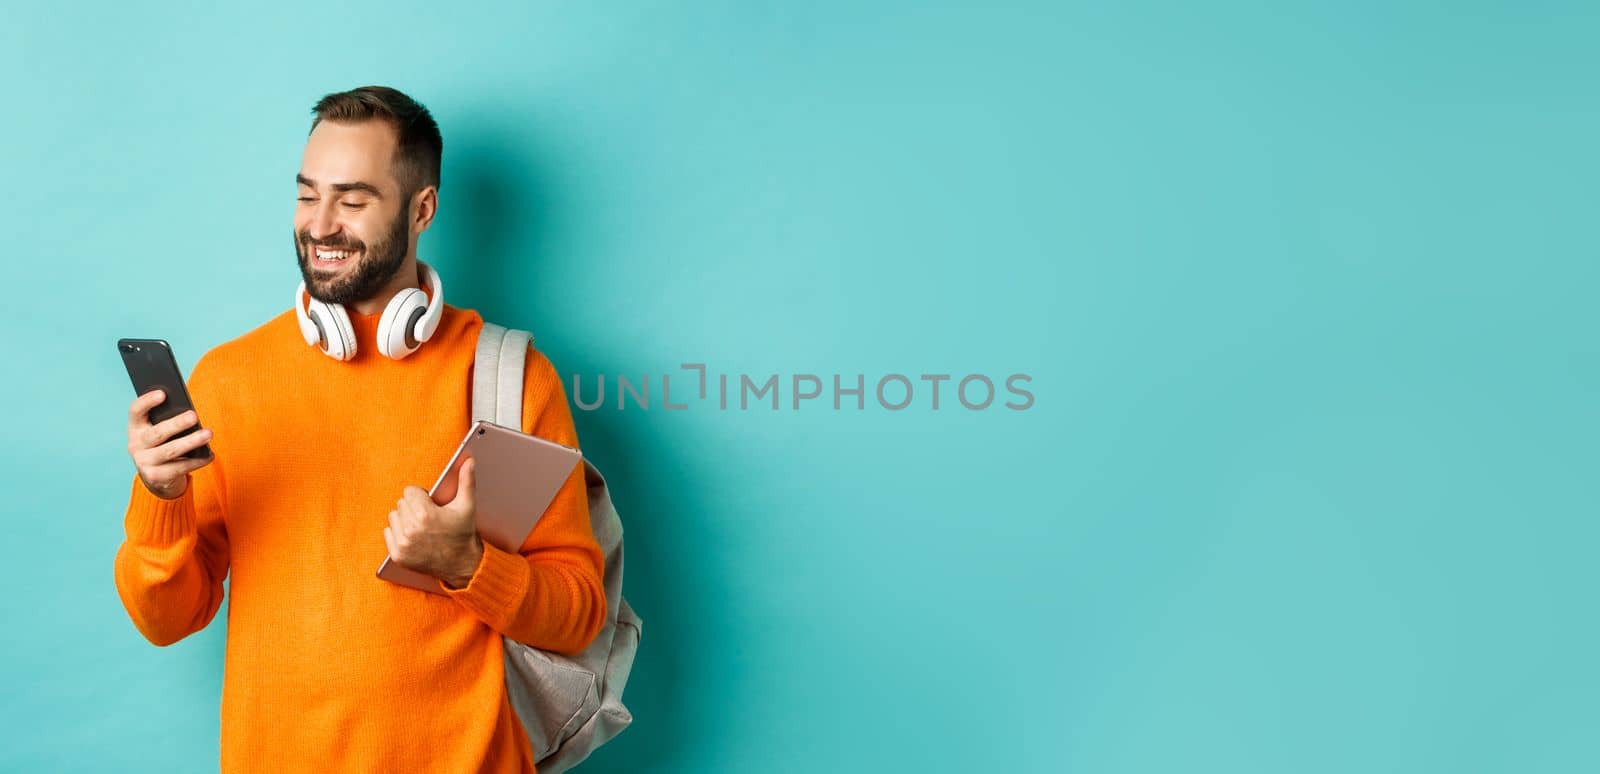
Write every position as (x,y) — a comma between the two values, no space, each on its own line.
(351,229)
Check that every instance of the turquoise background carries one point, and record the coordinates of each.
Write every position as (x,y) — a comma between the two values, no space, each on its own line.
(1306,291)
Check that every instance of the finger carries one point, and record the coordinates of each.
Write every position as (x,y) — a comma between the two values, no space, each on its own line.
(162,432)
(396,526)
(466,489)
(173,470)
(407,509)
(417,497)
(140,408)
(178,447)
(151,436)
(157,458)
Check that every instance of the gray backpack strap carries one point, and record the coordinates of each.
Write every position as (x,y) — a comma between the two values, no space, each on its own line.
(513,355)
(497,375)
(486,372)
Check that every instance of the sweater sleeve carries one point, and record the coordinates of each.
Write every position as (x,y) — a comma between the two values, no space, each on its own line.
(169,570)
(549,594)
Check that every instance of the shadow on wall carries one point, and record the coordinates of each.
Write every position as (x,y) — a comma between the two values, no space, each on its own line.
(503,230)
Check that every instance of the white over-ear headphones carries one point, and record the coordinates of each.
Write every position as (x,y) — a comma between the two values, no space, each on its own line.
(408,320)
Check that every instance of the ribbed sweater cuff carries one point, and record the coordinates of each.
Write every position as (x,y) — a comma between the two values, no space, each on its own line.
(497,587)
(156,521)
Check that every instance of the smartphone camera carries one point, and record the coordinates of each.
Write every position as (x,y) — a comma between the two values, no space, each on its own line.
(480,431)
(130,348)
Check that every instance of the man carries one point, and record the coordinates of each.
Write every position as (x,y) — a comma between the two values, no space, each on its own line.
(314,481)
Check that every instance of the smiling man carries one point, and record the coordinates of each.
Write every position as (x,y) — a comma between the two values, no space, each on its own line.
(324,422)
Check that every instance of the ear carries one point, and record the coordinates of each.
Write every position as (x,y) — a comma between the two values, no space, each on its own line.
(424,204)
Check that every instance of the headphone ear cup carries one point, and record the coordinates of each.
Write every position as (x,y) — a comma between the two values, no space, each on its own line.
(338,336)
(397,335)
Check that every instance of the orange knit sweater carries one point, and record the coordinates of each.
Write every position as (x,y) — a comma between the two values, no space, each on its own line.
(328,668)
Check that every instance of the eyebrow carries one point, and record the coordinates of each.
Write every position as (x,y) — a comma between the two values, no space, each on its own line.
(342,187)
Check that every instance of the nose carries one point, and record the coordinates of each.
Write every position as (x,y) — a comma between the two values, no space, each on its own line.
(323,223)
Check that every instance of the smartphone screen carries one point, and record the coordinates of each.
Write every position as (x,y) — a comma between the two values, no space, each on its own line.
(151,366)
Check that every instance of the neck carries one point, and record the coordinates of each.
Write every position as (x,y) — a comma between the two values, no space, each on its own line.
(409,276)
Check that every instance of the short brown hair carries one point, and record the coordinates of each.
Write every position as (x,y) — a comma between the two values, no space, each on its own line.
(419,144)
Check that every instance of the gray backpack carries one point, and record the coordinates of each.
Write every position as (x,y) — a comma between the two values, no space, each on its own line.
(568,705)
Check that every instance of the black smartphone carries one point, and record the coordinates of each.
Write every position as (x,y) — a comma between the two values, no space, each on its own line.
(151,366)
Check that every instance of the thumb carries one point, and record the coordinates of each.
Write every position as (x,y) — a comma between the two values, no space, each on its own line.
(466,486)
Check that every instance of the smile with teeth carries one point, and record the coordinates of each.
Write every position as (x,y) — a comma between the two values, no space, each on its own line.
(333,256)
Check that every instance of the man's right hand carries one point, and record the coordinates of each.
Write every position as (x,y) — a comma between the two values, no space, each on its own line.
(162,466)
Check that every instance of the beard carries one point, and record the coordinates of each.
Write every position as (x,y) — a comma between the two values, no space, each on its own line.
(372,272)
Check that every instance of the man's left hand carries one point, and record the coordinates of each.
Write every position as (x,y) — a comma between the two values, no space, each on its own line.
(438,540)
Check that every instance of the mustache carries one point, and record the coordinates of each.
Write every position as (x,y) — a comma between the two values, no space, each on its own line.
(331,244)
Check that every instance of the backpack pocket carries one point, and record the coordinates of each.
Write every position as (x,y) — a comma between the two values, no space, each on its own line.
(551,699)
